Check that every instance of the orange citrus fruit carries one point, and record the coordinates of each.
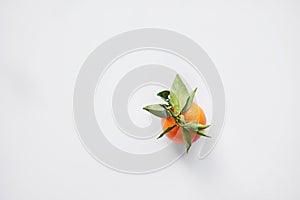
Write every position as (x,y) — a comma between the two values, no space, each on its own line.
(193,114)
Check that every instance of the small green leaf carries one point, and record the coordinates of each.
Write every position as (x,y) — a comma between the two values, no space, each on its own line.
(166,131)
(187,139)
(157,110)
(179,91)
(174,102)
(194,126)
(164,95)
(202,134)
(189,101)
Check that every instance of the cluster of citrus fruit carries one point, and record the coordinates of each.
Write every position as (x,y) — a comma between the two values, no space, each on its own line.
(183,121)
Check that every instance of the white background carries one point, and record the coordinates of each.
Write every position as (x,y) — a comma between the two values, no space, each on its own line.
(255,46)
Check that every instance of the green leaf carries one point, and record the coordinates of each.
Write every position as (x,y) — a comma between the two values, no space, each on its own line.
(157,110)
(202,134)
(178,95)
(194,126)
(189,101)
(164,95)
(187,139)
(175,103)
(166,131)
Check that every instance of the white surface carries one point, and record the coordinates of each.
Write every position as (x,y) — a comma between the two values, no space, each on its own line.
(255,47)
